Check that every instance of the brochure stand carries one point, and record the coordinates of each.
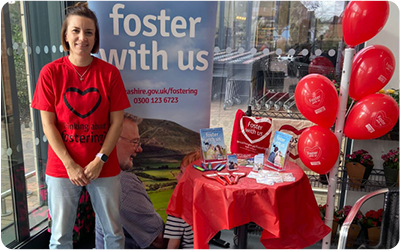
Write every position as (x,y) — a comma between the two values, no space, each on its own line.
(275,166)
(277,155)
(213,148)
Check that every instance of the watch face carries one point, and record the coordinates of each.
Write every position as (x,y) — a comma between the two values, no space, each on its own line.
(104,157)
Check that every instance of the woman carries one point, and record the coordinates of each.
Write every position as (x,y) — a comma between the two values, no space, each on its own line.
(277,160)
(81,101)
(210,152)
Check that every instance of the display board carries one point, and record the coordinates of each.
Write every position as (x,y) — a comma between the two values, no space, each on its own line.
(164,51)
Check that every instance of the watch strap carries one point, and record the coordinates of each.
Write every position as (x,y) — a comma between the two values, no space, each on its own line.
(103,157)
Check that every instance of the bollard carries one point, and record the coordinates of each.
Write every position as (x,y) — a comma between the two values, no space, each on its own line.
(4,208)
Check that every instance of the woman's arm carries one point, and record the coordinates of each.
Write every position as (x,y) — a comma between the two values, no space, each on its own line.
(75,172)
(93,169)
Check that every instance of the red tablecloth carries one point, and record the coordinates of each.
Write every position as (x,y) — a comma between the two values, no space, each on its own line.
(287,212)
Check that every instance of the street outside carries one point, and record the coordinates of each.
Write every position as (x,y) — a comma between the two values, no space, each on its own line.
(7,215)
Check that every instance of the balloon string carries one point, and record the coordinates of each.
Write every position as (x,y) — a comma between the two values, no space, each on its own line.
(327,178)
(348,110)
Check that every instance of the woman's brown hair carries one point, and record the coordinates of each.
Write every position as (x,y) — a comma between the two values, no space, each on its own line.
(80,9)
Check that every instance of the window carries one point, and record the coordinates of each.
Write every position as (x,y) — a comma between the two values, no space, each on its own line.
(30,36)
(263,48)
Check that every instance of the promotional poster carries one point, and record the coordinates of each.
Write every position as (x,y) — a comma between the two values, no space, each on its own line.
(164,51)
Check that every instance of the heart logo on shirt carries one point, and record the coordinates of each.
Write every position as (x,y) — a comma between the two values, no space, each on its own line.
(313,153)
(82,103)
(255,129)
(315,98)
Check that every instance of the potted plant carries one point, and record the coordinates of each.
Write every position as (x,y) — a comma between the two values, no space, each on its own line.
(393,134)
(355,227)
(391,167)
(372,222)
(391,92)
(336,218)
(359,165)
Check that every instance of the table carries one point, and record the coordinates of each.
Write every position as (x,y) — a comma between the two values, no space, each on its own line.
(287,212)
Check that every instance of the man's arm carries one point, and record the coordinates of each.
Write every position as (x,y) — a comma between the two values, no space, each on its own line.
(138,216)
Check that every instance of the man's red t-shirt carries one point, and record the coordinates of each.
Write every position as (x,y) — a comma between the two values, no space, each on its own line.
(82,110)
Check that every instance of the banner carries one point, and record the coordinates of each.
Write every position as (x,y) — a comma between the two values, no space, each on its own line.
(250,135)
(164,51)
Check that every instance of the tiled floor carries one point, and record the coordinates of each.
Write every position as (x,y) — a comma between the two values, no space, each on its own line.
(253,241)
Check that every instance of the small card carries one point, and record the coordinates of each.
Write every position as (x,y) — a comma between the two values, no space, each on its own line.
(259,162)
(231,162)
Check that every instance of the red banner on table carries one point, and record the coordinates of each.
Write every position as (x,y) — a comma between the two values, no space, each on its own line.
(250,135)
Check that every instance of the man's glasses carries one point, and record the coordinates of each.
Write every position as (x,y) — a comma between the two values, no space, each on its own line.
(135,142)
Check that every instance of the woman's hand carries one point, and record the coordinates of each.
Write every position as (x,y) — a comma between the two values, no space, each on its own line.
(76,175)
(93,169)
(74,171)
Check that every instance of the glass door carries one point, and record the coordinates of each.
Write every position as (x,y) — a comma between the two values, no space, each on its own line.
(30,39)
(14,223)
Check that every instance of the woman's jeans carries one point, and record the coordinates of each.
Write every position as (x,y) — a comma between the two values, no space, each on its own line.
(63,198)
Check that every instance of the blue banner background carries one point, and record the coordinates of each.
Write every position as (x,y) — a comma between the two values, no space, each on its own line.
(117,19)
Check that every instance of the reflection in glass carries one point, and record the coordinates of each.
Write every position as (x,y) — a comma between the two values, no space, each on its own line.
(7,218)
(269,46)
(25,174)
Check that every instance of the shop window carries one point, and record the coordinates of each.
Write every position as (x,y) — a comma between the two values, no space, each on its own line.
(263,48)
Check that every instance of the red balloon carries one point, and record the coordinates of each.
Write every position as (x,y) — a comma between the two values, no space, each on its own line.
(318,149)
(362,20)
(321,65)
(317,99)
(372,69)
(372,117)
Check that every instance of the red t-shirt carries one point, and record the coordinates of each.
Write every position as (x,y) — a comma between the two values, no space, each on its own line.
(82,110)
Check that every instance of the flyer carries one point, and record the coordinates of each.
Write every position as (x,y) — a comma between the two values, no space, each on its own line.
(277,153)
(212,144)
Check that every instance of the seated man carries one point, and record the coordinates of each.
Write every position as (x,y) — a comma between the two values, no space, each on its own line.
(143,226)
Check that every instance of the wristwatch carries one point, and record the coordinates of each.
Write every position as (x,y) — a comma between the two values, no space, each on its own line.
(102,157)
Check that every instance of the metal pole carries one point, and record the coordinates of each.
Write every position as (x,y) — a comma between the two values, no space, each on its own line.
(4,211)
(339,125)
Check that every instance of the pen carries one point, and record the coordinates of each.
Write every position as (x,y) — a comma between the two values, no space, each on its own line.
(216,166)
(220,167)
(198,168)
(209,166)
(226,176)
(217,178)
